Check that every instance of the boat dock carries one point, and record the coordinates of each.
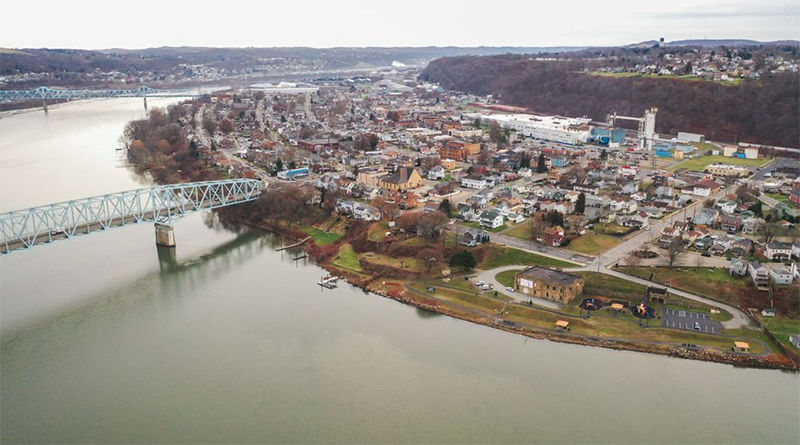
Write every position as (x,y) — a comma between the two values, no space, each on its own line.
(299,243)
(328,281)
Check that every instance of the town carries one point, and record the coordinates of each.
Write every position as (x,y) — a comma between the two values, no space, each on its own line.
(563,227)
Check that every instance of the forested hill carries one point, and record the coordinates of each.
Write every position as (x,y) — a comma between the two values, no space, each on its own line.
(765,111)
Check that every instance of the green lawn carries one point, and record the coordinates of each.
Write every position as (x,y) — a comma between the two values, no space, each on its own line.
(712,282)
(320,237)
(699,164)
(498,256)
(508,277)
(782,328)
(598,284)
(405,263)
(783,198)
(347,258)
(592,243)
(521,231)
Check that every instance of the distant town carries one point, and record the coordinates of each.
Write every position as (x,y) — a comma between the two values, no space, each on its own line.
(596,232)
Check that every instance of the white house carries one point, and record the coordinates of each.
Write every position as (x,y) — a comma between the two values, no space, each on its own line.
(759,274)
(491,219)
(780,274)
(777,250)
(473,182)
(436,173)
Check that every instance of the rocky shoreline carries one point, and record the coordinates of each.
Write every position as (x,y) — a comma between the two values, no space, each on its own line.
(403,295)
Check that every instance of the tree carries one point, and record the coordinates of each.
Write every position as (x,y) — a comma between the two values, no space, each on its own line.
(535,228)
(497,135)
(430,256)
(429,224)
(226,126)
(603,154)
(278,165)
(541,167)
(464,260)
(292,165)
(209,125)
(768,229)
(525,161)
(476,123)
(674,250)
(688,68)
(553,218)
(446,208)
(580,205)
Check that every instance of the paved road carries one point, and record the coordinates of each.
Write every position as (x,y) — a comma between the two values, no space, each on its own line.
(488,276)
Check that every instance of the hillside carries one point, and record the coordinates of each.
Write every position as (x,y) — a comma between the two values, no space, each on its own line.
(766,111)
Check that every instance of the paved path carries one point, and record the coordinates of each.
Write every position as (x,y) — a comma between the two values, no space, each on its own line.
(488,276)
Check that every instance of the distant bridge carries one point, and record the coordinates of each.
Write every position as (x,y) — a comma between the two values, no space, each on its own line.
(47,93)
(23,229)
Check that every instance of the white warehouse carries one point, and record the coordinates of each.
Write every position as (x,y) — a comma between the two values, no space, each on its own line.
(567,130)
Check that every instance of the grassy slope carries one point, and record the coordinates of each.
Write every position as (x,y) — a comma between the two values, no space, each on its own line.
(499,256)
(593,243)
(715,283)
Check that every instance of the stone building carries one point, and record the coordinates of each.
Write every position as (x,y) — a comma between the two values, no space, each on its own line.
(549,283)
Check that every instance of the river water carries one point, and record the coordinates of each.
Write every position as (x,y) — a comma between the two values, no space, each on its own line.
(104,343)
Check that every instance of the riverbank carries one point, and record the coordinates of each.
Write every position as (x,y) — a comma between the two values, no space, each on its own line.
(399,288)
(393,261)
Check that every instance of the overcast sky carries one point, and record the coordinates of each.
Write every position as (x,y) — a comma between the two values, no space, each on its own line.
(98,24)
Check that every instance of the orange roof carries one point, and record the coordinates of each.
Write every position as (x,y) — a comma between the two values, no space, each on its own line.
(562,323)
(617,306)
(741,345)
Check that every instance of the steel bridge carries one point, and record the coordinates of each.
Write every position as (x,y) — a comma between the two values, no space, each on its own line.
(47,93)
(23,229)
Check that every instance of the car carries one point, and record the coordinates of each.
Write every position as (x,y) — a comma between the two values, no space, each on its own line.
(431,289)
(509,288)
(696,326)
(767,175)
(479,283)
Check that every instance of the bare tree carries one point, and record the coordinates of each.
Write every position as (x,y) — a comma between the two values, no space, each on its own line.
(674,250)
(767,230)
(430,256)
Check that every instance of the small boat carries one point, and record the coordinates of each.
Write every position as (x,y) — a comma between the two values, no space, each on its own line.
(328,281)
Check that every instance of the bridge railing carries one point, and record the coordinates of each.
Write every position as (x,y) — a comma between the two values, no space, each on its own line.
(22,229)
(43,93)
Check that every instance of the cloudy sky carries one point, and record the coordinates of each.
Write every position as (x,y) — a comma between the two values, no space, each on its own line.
(98,24)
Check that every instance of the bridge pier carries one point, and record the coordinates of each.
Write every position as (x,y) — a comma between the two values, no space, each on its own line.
(44,105)
(165,235)
(145,102)
(167,259)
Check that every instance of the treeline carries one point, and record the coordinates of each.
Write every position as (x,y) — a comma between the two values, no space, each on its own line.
(159,145)
(766,111)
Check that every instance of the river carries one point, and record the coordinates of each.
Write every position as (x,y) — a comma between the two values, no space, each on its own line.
(103,343)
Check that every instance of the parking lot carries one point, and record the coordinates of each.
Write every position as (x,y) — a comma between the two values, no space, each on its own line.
(690,321)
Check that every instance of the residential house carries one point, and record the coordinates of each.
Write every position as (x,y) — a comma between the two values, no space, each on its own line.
(436,173)
(473,182)
(781,274)
(738,267)
(516,218)
(778,251)
(706,218)
(553,236)
(547,283)
(466,212)
(491,219)
(704,188)
(473,237)
(759,275)
(668,233)
(730,223)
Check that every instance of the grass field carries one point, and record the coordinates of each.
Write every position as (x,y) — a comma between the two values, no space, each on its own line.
(347,258)
(507,277)
(699,164)
(784,199)
(405,263)
(714,283)
(521,231)
(320,237)
(782,328)
(498,256)
(592,243)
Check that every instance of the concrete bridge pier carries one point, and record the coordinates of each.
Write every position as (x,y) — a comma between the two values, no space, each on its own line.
(167,259)
(145,102)
(44,105)
(165,235)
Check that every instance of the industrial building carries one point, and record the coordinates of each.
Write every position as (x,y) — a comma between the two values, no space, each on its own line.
(551,284)
(567,130)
